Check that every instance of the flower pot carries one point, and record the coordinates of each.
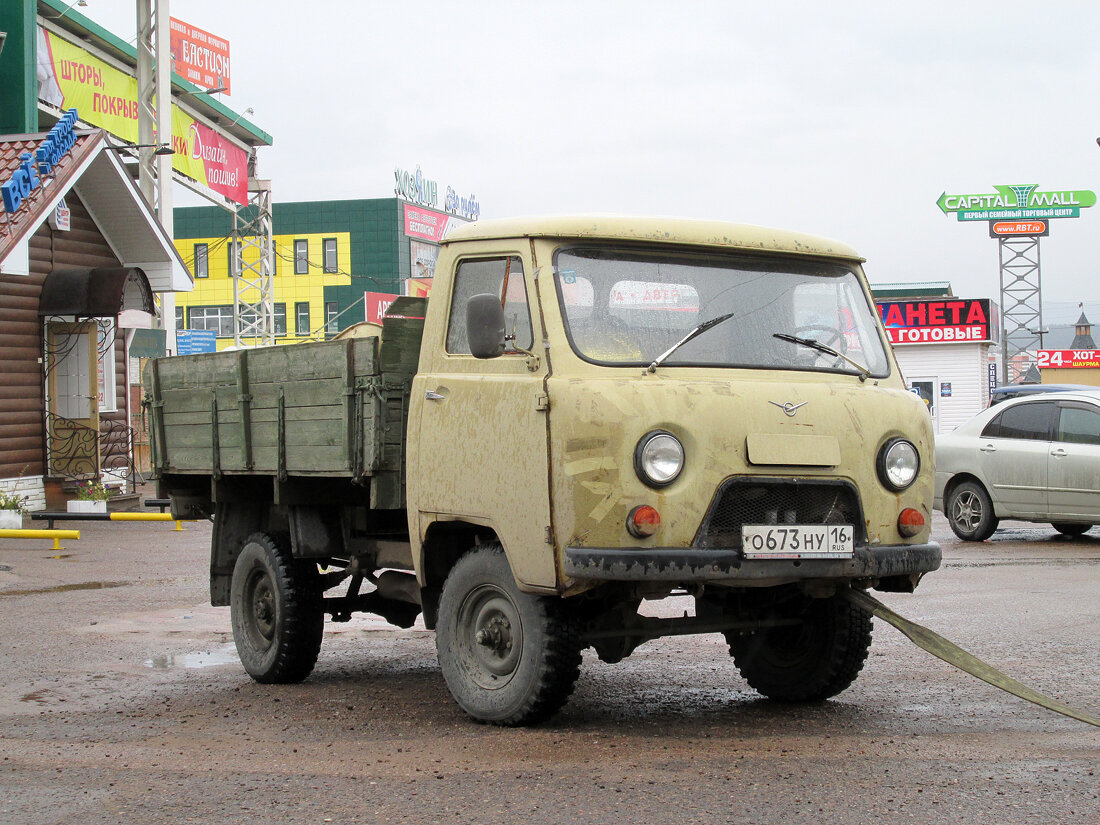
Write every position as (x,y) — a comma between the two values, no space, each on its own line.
(11,520)
(79,506)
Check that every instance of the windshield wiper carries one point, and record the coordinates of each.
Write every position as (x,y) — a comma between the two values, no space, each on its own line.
(699,330)
(864,373)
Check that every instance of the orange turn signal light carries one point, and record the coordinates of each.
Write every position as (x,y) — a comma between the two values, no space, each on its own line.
(910,522)
(643,521)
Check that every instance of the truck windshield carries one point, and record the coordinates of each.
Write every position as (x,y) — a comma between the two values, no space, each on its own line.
(628,308)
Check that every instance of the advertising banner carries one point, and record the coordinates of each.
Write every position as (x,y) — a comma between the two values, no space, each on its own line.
(199,56)
(376,304)
(426,224)
(1068,358)
(196,341)
(944,321)
(70,77)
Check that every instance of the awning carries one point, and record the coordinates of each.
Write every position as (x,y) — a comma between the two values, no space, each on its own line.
(95,293)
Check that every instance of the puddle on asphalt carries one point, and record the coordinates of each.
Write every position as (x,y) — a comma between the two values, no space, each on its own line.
(64,588)
(190,661)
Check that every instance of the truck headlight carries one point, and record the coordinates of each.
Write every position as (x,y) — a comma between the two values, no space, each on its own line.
(898,463)
(658,458)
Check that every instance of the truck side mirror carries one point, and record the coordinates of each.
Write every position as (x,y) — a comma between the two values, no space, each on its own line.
(485,326)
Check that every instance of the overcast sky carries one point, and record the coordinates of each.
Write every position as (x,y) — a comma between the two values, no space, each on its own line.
(844,119)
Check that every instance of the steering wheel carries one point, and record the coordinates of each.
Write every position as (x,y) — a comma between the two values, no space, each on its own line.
(832,337)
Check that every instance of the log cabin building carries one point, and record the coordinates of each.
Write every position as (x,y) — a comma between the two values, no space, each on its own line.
(82,259)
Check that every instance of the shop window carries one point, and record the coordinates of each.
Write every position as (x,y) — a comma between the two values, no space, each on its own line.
(202,260)
(301,318)
(301,257)
(330,255)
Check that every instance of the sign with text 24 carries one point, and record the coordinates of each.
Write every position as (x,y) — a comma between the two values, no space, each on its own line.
(942,321)
(1068,358)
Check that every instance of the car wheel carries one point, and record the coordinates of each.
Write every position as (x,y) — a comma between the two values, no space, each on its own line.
(276,611)
(1071,529)
(970,512)
(508,657)
(812,659)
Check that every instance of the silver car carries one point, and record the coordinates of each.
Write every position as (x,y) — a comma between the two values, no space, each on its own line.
(1035,458)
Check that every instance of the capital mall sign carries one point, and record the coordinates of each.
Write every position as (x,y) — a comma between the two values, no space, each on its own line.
(1017,203)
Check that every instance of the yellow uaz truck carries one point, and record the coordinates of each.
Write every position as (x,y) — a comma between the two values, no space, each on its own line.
(588,412)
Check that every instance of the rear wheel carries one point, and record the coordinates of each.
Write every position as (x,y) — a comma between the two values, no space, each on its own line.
(970,512)
(508,657)
(1071,529)
(813,659)
(277,612)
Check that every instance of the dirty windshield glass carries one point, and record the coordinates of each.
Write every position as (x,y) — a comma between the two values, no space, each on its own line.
(627,308)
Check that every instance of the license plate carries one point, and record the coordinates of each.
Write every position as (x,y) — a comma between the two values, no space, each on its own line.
(797,541)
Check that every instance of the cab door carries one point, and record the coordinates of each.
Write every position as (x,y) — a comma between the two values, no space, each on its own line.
(482,452)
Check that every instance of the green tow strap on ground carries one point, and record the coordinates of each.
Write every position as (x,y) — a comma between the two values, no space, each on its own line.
(956,656)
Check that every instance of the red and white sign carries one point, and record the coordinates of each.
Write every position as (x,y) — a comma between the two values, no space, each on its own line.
(199,56)
(950,320)
(376,304)
(1068,358)
(426,224)
(1018,227)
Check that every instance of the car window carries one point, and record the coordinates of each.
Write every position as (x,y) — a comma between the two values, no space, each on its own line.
(1078,424)
(499,276)
(1023,421)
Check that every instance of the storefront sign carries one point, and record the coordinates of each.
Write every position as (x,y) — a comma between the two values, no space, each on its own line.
(1018,202)
(196,341)
(376,303)
(199,56)
(945,321)
(70,76)
(1001,229)
(422,223)
(415,188)
(60,220)
(1068,358)
(992,367)
(34,169)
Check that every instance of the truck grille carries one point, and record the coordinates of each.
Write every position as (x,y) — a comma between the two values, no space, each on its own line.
(759,500)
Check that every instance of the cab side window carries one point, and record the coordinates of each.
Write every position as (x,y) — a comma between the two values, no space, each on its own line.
(502,277)
(1029,422)
(1078,424)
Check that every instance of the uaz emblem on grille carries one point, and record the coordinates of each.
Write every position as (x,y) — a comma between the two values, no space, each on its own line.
(789,407)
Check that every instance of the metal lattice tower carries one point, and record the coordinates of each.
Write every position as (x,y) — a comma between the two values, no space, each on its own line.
(1021,303)
(253,264)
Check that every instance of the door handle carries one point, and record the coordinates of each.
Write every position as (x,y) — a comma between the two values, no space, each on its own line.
(432,395)
(1059,453)
(988,448)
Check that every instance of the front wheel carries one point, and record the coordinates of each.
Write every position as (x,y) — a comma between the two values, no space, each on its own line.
(277,612)
(970,512)
(508,657)
(817,653)
(1071,529)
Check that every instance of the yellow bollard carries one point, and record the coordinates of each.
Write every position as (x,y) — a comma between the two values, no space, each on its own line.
(127,516)
(56,535)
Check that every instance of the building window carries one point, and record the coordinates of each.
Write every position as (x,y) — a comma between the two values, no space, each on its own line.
(330,255)
(202,260)
(179,318)
(219,319)
(332,309)
(301,318)
(301,257)
(249,319)
(233,252)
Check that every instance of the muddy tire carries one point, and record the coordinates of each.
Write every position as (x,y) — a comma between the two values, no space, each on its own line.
(970,512)
(508,657)
(276,609)
(806,662)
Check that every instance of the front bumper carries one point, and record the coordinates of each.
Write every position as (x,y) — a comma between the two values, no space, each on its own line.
(681,565)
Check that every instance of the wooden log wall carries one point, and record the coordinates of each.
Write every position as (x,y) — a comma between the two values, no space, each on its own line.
(22,403)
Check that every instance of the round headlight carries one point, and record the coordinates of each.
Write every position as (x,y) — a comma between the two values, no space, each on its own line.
(898,464)
(658,458)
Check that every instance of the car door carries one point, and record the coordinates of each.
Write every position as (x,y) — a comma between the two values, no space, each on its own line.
(1074,462)
(1012,458)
